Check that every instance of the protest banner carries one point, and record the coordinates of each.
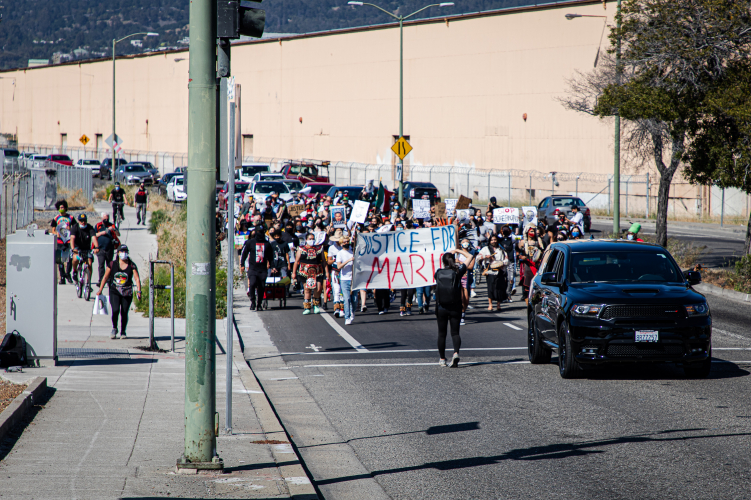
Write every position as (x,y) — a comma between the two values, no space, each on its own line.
(240,238)
(360,211)
(421,209)
(463,202)
(530,215)
(451,207)
(463,215)
(339,216)
(295,210)
(440,210)
(506,215)
(402,259)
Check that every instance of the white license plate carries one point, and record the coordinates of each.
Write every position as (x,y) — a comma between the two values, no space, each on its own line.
(647,336)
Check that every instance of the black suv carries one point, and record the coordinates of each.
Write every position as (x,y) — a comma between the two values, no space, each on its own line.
(617,301)
(421,190)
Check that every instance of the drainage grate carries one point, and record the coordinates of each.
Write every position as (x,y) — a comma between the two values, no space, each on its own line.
(92,353)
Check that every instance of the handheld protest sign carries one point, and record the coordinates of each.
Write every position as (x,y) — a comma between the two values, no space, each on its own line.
(530,215)
(463,202)
(451,207)
(359,211)
(421,209)
(440,210)
(295,210)
(506,215)
(339,217)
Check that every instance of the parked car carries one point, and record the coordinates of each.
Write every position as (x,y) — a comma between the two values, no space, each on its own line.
(313,188)
(36,161)
(176,189)
(181,170)
(240,188)
(131,173)
(267,176)
(161,185)
(150,167)
(92,165)
(597,302)
(353,191)
(11,156)
(60,159)
(293,185)
(261,189)
(247,171)
(306,172)
(549,207)
(421,191)
(105,168)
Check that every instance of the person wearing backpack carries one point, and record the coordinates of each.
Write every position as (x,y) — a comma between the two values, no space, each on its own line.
(448,294)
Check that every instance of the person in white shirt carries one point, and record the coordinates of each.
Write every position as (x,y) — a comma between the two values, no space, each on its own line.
(344,259)
(336,294)
(577,218)
(495,260)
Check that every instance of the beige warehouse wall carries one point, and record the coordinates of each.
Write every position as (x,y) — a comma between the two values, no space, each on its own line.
(467,84)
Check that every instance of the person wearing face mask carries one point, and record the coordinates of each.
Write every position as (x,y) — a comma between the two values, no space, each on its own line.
(82,240)
(310,261)
(576,233)
(108,238)
(141,199)
(121,274)
(530,253)
(336,292)
(343,263)
(506,241)
(117,199)
(258,255)
(467,278)
(496,262)
(633,232)
(61,226)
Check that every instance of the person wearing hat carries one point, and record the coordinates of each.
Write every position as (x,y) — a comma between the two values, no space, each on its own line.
(121,274)
(633,232)
(343,265)
(311,263)
(336,291)
(117,199)
(82,240)
(141,199)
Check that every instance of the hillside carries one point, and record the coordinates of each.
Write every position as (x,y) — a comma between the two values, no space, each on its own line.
(37,29)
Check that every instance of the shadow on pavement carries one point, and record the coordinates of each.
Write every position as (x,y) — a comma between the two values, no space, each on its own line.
(105,361)
(12,437)
(656,371)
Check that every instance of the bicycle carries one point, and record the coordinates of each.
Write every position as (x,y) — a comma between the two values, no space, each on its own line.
(83,279)
(117,208)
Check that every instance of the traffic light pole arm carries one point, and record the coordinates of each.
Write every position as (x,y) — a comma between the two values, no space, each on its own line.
(417,12)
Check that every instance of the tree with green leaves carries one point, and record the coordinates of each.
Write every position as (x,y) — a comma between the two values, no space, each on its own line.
(675,55)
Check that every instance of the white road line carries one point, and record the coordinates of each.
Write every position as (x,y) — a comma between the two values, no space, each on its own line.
(512,326)
(730,334)
(283,378)
(404,350)
(360,365)
(731,348)
(341,331)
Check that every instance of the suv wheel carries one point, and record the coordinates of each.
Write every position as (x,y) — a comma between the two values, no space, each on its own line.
(567,364)
(537,353)
(700,369)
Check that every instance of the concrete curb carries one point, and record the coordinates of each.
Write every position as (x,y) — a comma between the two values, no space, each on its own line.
(730,230)
(298,482)
(723,292)
(21,404)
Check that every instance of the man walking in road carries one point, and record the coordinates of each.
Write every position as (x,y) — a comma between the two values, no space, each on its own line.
(257,255)
(141,199)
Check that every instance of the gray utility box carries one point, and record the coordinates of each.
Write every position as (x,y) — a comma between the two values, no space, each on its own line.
(31,293)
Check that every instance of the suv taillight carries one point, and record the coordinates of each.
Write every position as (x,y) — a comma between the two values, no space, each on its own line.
(587,213)
(411,193)
(437,194)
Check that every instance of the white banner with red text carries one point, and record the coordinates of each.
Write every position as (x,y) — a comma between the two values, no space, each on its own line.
(400,259)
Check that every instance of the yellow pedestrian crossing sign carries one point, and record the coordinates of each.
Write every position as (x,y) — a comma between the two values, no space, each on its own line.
(401,148)
(84,139)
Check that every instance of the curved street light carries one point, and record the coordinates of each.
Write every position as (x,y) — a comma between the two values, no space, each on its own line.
(401,20)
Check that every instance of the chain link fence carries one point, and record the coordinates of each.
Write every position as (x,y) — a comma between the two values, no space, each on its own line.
(17,203)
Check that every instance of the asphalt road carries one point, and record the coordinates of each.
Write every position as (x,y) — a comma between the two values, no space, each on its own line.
(721,247)
(498,427)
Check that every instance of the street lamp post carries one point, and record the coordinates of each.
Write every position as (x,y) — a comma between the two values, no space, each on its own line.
(617,142)
(114,135)
(401,20)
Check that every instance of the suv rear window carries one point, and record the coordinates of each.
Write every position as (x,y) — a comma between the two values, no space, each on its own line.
(623,267)
(565,202)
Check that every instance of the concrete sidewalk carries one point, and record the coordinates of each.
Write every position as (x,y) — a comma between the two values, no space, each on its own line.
(114,426)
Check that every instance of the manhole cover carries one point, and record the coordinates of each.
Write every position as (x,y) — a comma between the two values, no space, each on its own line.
(74,352)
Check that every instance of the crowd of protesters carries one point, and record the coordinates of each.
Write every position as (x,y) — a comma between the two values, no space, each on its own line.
(312,250)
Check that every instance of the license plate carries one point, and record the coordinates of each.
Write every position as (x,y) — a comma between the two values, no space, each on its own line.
(647,336)
(426,197)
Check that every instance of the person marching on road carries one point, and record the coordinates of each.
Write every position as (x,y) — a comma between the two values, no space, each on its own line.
(123,273)
(61,226)
(344,259)
(141,199)
(530,253)
(448,309)
(108,238)
(336,291)
(496,262)
(258,255)
(311,264)
(82,241)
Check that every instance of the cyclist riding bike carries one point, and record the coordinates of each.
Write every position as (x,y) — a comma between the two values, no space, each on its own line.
(117,198)
(82,239)
(61,225)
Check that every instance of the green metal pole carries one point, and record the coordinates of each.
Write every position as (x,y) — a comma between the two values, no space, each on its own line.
(401,106)
(617,148)
(200,361)
(112,167)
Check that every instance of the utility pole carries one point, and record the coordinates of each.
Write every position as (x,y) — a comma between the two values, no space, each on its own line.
(617,142)
(200,332)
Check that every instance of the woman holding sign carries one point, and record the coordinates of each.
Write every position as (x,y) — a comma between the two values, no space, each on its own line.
(449,304)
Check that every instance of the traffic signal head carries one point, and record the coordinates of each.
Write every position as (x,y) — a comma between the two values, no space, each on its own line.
(234,20)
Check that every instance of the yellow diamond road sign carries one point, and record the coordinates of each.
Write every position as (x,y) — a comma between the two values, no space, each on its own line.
(401,148)
(84,139)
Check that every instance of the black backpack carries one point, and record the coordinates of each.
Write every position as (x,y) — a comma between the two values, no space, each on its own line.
(13,351)
(448,288)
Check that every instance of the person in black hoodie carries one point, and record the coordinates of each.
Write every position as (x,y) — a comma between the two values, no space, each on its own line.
(257,256)
(141,199)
